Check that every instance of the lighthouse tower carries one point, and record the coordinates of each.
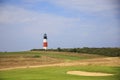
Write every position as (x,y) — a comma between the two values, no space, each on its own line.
(45,43)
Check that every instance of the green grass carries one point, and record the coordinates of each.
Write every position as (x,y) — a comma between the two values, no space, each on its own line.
(58,73)
(65,56)
(55,73)
(38,54)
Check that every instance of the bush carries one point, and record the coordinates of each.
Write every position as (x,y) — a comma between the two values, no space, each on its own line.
(36,56)
(113,52)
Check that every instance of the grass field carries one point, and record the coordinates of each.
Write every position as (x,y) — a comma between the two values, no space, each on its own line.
(30,58)
(56,72)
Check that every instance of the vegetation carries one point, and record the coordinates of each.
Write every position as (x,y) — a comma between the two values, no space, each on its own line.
(34,58)
(31,58)
(113,52)
(58,73)
(40,54)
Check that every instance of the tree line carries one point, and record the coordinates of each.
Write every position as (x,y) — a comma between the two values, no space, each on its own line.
(113,52)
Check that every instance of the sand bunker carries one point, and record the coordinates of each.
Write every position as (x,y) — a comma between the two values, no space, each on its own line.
(83,73)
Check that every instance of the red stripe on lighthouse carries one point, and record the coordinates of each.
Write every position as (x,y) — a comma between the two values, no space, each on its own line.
(45,44)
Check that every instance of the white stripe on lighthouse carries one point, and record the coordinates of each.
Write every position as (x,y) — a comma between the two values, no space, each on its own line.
(45,48)
(44,40)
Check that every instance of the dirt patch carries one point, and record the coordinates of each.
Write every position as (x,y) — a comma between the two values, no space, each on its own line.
(83,73)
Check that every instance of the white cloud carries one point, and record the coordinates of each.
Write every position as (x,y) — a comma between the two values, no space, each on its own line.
(32,1)
(103,8)
(81,5)
(34,22)
(87,5)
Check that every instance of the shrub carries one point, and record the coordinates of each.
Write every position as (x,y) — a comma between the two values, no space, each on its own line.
(36,56)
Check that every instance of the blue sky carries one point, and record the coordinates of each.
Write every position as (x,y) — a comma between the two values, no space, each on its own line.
(68,23)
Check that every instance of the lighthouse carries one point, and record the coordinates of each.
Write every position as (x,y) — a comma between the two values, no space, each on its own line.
(45,43)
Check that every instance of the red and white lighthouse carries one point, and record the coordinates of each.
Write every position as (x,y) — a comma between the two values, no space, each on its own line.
(45,43)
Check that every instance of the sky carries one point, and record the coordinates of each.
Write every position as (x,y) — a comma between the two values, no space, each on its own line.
(67,23)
